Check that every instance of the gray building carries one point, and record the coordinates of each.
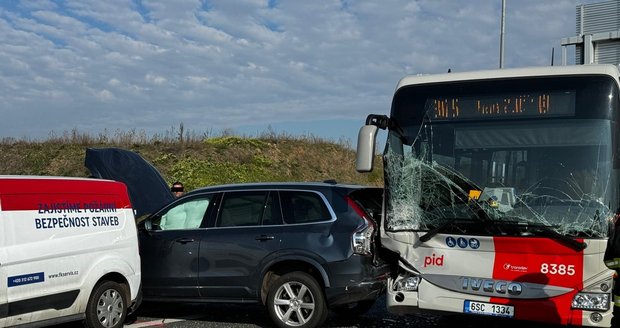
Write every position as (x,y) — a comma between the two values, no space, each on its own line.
(598,34)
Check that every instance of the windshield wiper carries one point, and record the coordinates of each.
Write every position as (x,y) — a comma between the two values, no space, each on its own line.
(429,234)
(552,233)
(480,216)
(566,240)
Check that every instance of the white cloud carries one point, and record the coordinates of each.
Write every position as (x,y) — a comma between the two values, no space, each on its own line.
(155,79)
(198,80)
(114,82)
(104,95)
(218,64)
(37,5)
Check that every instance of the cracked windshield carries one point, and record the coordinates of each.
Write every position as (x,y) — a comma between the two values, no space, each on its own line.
(506,177)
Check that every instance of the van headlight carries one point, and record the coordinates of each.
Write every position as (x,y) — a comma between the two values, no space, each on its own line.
(591,301)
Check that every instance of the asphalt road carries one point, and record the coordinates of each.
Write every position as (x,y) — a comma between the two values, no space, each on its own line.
(242,316)
(178,315)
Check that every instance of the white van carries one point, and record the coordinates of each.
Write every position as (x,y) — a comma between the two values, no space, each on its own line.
(68,251)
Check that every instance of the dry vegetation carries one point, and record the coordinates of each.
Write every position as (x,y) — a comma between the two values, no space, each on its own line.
(196,160)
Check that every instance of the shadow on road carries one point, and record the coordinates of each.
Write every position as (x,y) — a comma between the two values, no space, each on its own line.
(225,314)
(241,315)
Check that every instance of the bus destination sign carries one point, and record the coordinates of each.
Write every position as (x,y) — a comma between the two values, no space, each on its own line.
(502,106)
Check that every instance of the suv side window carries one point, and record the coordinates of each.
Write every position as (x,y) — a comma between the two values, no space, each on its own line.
(303,207)
(186,215)
(245,208)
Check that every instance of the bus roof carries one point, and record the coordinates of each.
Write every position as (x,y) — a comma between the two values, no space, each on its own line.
(596,69)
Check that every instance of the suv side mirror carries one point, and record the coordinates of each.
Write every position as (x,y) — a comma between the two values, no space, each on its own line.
(366,140)
(148,225)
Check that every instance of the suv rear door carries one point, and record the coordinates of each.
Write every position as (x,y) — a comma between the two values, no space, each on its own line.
(308,227)
(244,231)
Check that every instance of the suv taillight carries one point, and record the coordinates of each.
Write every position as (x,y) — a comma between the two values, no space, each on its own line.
(363,235)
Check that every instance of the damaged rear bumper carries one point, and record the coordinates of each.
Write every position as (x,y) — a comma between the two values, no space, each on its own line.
(356,279)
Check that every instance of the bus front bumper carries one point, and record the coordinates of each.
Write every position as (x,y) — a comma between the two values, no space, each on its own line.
(430,298)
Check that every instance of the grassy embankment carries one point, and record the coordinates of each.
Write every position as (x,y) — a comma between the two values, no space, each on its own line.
(195,160)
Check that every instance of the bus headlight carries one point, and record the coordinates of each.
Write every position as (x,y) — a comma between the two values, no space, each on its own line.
(407,284)
(591,301)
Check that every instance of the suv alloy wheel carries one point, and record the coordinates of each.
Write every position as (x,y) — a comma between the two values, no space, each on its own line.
(296,300)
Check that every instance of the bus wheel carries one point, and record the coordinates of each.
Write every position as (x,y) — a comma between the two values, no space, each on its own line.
(296,300)
(107,306)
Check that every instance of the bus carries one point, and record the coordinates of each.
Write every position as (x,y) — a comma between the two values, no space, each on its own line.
(500,190)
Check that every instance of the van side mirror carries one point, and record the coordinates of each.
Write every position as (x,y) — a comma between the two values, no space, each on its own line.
(148,225)
(366,140)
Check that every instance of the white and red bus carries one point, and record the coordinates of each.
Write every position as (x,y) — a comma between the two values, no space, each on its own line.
(499,189)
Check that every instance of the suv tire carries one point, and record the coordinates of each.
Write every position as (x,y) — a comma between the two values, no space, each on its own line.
(296,300)
(107,306)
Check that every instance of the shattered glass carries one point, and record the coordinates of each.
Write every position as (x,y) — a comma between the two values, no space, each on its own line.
(509,178)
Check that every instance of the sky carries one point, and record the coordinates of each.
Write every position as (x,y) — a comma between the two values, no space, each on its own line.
(247,66)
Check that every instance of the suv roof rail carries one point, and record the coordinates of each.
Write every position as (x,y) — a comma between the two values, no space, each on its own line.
(331,181)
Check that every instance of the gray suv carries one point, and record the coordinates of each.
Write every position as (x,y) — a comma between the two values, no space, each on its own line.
(298,248)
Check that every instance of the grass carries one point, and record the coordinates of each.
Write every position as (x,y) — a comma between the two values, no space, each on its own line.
(195,159)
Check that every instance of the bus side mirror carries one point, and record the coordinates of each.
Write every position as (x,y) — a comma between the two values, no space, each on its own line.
(366,140)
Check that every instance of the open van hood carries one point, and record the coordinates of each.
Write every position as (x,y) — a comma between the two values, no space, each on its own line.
(147,189)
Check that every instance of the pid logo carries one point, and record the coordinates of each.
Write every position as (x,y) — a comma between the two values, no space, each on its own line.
(433,260)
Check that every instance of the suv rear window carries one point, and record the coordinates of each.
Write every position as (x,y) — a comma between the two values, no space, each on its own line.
(245,208)
(303,207)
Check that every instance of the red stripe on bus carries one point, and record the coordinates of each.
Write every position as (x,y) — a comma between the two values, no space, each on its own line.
(542,261)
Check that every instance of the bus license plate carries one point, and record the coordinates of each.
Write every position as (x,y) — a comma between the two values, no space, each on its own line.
(498,310)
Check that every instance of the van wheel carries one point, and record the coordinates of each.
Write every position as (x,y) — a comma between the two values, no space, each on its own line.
(107,306)
(296,300)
